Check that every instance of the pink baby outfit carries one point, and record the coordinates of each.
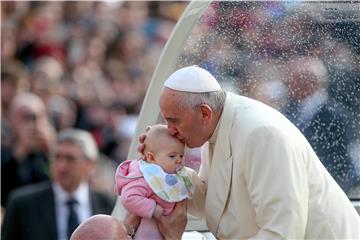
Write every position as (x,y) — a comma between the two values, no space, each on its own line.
(137,197)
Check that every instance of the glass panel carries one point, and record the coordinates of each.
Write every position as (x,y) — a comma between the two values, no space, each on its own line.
(302,62)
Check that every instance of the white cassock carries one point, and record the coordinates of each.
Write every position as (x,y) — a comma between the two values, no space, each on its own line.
(265,181)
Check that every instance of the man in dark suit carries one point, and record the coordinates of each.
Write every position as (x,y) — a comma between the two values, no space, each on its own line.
(52,210)
(25,159)
(322,120)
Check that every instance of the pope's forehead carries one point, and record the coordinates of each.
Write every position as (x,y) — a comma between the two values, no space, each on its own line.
(169,96)
(166,92)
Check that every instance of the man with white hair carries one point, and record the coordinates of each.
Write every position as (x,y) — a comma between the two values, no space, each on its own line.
(52,210)
(264,181)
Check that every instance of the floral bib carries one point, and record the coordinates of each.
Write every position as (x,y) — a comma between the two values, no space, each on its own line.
(169,187)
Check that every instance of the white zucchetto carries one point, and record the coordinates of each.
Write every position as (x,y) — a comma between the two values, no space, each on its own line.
(192,79)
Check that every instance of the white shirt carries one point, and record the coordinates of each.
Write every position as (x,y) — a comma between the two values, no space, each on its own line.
(83,209)
(310,106)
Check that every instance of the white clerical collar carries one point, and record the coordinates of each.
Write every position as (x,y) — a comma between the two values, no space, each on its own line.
(310,105)
(81,194)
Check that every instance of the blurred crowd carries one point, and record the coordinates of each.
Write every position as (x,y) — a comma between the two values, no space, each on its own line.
(304,65)
(87,65)
(83,65)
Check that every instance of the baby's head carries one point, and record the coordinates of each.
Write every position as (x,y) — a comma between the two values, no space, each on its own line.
(163,149)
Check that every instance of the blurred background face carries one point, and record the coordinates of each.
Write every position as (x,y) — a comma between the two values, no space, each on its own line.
(9,88)
(301,86)
(69,167)
(27,122)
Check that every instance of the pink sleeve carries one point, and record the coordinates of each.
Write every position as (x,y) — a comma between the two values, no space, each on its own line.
(135,198)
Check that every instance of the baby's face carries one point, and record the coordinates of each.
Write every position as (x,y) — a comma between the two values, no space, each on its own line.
(171,156)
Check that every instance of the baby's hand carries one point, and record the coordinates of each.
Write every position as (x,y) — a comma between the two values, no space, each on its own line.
(158,211)
(141,147)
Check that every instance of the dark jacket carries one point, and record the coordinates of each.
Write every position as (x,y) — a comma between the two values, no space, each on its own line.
(30,212)
(32,169)
(327,132)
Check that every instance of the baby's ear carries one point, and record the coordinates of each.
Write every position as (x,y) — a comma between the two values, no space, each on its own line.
(150,157)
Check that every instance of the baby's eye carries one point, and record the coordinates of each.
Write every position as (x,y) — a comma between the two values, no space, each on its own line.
(172,156)
(181,156)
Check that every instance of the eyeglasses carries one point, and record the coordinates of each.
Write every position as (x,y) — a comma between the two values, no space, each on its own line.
(69,158)
(30,116)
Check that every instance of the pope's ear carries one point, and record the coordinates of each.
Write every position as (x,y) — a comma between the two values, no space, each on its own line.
(206,112)
(150,157)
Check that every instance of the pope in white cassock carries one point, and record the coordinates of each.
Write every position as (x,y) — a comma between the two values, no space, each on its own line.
(262,178)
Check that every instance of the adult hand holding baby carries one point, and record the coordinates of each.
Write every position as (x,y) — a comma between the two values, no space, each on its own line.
(173,226)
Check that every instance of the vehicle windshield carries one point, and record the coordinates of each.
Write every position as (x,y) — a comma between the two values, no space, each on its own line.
(300,58)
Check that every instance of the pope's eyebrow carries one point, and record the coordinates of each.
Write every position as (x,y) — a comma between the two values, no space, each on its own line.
(170,119)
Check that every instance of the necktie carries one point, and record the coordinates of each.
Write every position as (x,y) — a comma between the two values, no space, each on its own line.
(73,220)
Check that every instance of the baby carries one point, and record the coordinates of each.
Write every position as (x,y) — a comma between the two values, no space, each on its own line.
(151,186)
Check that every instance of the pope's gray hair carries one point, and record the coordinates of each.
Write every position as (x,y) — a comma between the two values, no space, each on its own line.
(215,100)
(83,139)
